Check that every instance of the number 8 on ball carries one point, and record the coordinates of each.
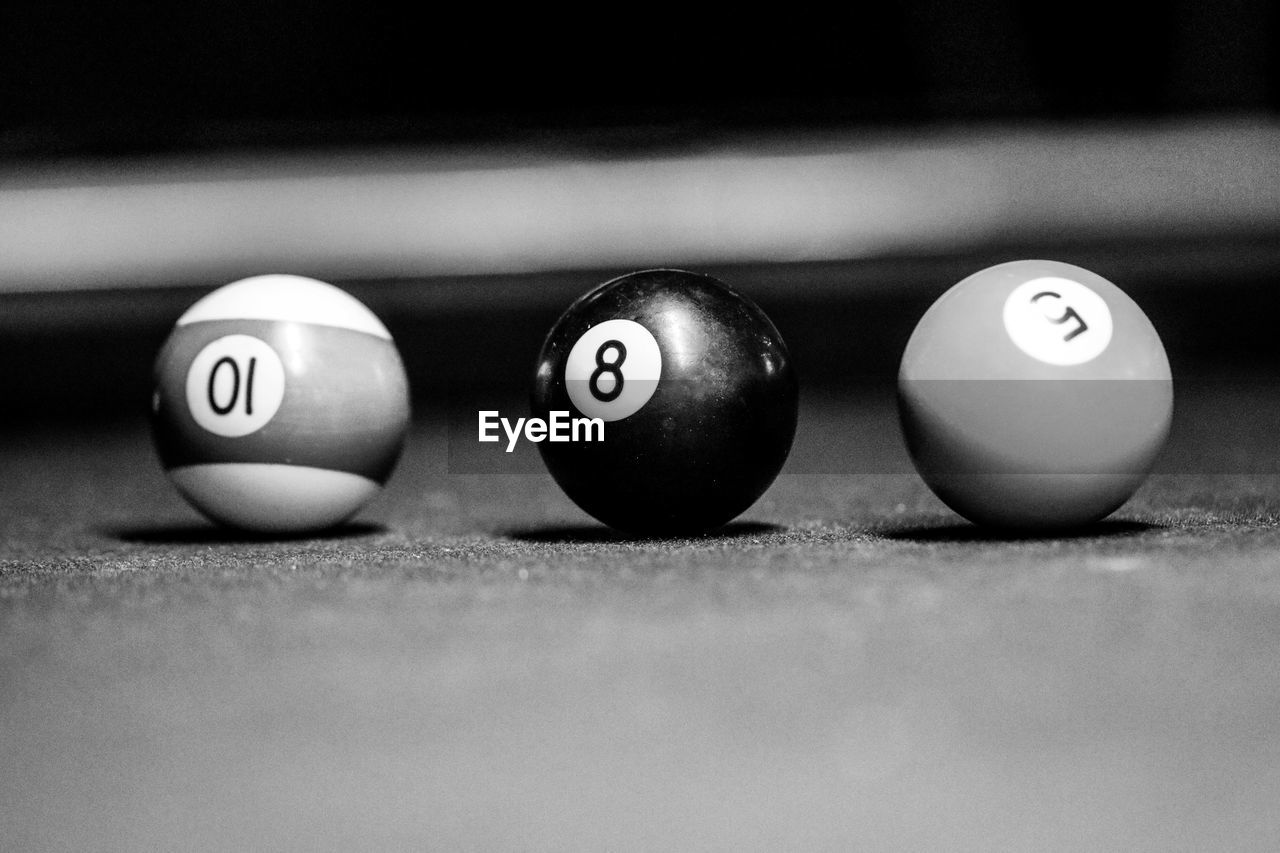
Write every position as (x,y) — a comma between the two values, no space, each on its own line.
(696,389)
(613,370)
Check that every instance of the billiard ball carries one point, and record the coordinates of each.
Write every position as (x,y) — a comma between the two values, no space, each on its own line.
(697,396)
(1034,395)
(280,405)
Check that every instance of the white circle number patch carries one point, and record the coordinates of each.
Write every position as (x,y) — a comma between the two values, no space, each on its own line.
(1058,321)
(613,370)
(235,385)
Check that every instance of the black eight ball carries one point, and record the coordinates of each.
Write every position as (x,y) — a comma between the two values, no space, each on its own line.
(697,393)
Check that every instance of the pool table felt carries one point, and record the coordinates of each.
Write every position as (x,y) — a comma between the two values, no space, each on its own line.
(474,664)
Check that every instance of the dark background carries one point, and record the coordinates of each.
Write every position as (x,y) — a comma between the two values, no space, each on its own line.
(85,80)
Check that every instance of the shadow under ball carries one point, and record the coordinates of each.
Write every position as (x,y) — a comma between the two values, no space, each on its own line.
(698,396)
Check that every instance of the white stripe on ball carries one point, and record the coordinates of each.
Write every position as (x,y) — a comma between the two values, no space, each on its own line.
(288,298)
(273,498)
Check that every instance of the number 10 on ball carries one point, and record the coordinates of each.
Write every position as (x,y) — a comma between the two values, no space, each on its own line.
(280,405)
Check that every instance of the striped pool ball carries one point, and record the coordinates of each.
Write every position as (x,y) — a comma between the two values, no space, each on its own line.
(1035,395)
(280,405)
